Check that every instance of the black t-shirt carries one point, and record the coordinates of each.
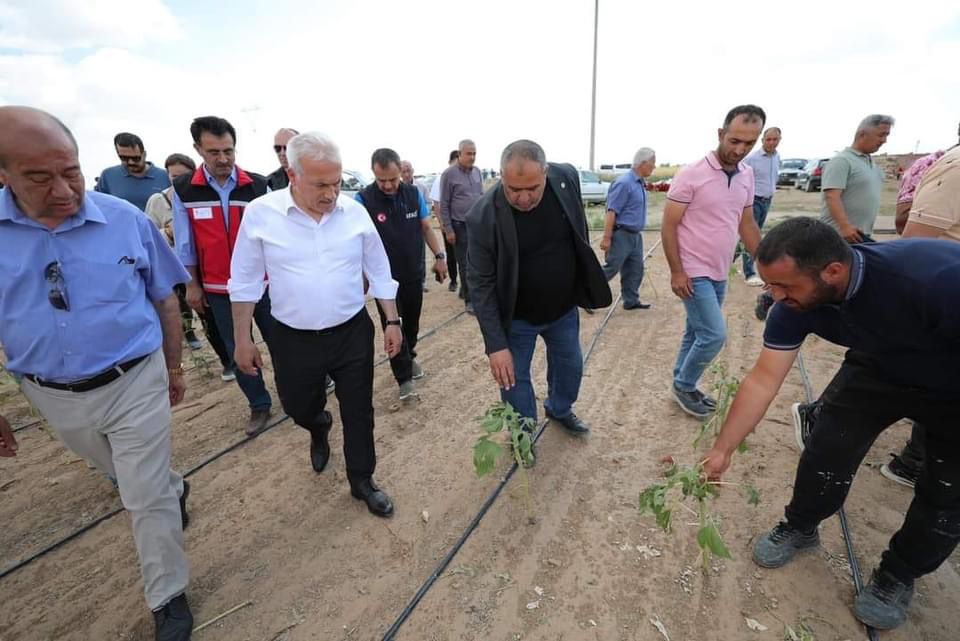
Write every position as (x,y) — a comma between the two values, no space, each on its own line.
(548,262)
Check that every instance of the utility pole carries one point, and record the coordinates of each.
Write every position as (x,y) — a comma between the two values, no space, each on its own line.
(593,99)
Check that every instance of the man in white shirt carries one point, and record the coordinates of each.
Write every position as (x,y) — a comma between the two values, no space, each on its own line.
(316,247)
(766,167)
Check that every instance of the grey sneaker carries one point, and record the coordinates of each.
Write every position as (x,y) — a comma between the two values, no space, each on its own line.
(229,374)
(709,401)
(418,372)
(469,309)
(691,402)
(408,390)
(802,422)
(777,547)
(884,601)
(329,385)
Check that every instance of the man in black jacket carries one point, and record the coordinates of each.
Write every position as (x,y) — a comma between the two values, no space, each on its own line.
(278,179)
(531,267)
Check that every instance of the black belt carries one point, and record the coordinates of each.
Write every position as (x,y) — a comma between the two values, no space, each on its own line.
(326,330)
(767,198)
(93,382)
(626,229)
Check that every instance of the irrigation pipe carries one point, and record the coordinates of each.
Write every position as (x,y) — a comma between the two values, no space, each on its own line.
(491,498)
(841,513)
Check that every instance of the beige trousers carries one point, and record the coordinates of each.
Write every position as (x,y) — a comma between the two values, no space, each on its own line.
(123,428)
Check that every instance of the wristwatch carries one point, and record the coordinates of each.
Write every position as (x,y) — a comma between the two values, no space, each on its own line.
(175,371)
(398,322)
(441,256)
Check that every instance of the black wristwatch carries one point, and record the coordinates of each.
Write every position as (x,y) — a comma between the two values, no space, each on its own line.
(398,322)
(441,256)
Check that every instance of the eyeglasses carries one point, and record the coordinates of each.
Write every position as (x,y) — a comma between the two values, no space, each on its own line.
(58,293)
(130,160)
(279,148)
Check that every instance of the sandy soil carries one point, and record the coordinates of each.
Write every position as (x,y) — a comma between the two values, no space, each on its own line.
(315,565)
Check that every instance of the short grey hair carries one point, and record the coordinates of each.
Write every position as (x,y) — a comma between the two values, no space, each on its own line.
(873,121)
(464,143)
(523,150)
(643,155)
(313,145)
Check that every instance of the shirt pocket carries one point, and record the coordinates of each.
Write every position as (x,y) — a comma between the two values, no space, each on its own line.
(106,283)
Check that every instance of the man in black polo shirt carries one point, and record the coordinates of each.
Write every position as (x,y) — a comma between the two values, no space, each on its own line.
(894,305)
(401,216)
(531,266)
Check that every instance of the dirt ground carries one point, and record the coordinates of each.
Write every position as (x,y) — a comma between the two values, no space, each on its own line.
(314,564)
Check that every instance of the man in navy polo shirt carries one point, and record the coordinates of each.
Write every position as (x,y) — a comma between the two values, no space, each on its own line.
(622,242)
(894,305)
(134,179)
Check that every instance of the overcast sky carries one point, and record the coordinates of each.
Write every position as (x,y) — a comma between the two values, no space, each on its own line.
(420,75)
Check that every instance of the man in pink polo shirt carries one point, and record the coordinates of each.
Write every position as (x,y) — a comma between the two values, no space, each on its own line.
(710,204)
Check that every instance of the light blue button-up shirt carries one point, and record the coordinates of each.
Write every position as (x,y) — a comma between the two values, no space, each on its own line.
(628,198)
(115,264)
(183,232)
(765,169)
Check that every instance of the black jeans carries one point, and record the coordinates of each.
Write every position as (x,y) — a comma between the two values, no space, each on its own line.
(856,407)
(222,311)
(914,451)
(460,229)
(409,304)
(302,359)
(206,320)
(451,252)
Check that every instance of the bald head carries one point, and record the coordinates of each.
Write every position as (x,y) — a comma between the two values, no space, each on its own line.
(39,164)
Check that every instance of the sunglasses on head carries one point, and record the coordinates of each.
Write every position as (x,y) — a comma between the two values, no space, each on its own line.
(58,293)
(279,148)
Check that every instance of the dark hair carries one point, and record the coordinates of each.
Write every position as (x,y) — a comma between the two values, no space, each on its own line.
(454,155)
(212,125)
(180,159)
(751,113)
(125,139)
(810,243)
(524,150)
(383,157)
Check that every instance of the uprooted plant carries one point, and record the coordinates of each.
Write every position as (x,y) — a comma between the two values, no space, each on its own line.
(724,388)
(680,484)
(502,417)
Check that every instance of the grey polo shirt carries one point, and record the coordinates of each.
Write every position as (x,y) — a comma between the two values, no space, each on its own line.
(459,189)
(860,182)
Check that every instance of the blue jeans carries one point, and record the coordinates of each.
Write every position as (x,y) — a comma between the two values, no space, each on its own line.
(564,365)
(705,333)
(252,386)
(760,208)
(626,257)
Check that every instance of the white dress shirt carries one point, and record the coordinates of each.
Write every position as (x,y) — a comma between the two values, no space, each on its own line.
(315,269)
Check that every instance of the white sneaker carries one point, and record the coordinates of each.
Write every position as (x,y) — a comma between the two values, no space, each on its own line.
(408,390)
(755,281)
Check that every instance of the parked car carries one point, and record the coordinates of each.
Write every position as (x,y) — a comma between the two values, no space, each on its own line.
(616,170)
(592,189)
(352,181)
(789,169)
(809,177)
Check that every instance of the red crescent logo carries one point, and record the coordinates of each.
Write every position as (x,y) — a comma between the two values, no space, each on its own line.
(381,217)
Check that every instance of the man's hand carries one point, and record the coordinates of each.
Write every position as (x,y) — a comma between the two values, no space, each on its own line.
(440,269)
(451,237)
(605,245)
(195,298)
(681,284)
(501,367)
(716,463)
(8,443)
(178,388)
(247,357)
(392,340)
(851,234)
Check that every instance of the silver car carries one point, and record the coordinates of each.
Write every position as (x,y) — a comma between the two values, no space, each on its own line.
(592,189)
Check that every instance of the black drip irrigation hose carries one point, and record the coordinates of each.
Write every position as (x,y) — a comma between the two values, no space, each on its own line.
(841,513)
(491,498)
(193,470)
(26,425)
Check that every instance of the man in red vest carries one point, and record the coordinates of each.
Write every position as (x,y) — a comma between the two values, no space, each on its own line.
(208,205)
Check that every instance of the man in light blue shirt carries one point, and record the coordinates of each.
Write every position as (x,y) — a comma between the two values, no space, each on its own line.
(134,179)
(766,165)
(622,242)
(91,329)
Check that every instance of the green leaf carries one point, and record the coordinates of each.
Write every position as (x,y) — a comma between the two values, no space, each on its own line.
(753,495)
(709,539)
(485,454)
(743,447)
(664,519)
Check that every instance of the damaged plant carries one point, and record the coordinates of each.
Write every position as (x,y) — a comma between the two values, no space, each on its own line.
(502,417)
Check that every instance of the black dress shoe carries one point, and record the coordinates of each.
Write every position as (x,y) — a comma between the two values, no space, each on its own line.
(376,499)
(571,422)
(319,449)
(637,305)
(174,621)
(184,517)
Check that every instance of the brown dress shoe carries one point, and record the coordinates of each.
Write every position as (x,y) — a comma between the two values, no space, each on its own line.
(258,422)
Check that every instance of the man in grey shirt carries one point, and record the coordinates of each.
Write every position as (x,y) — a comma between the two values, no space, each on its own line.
(461,186)
(851,182)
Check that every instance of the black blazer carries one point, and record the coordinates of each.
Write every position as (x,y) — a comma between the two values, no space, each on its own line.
(494,261)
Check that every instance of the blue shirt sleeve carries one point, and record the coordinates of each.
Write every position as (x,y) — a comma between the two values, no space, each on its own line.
(359,198)
(617,196)
(786,329)
(163,270)
(422,205)
(183,233)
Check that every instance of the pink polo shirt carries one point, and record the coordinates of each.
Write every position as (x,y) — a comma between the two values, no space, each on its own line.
(710,225)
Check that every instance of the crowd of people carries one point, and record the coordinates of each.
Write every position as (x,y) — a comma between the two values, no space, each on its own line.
(100,287)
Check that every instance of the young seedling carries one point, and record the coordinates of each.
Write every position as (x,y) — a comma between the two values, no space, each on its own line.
(724,388)
(680,484)
(519,429)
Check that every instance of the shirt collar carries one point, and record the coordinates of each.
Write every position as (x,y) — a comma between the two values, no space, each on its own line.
(714,162)
(213,181)
(9,210)
(857,268)
(148,174)
(859,153)
(288,204)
